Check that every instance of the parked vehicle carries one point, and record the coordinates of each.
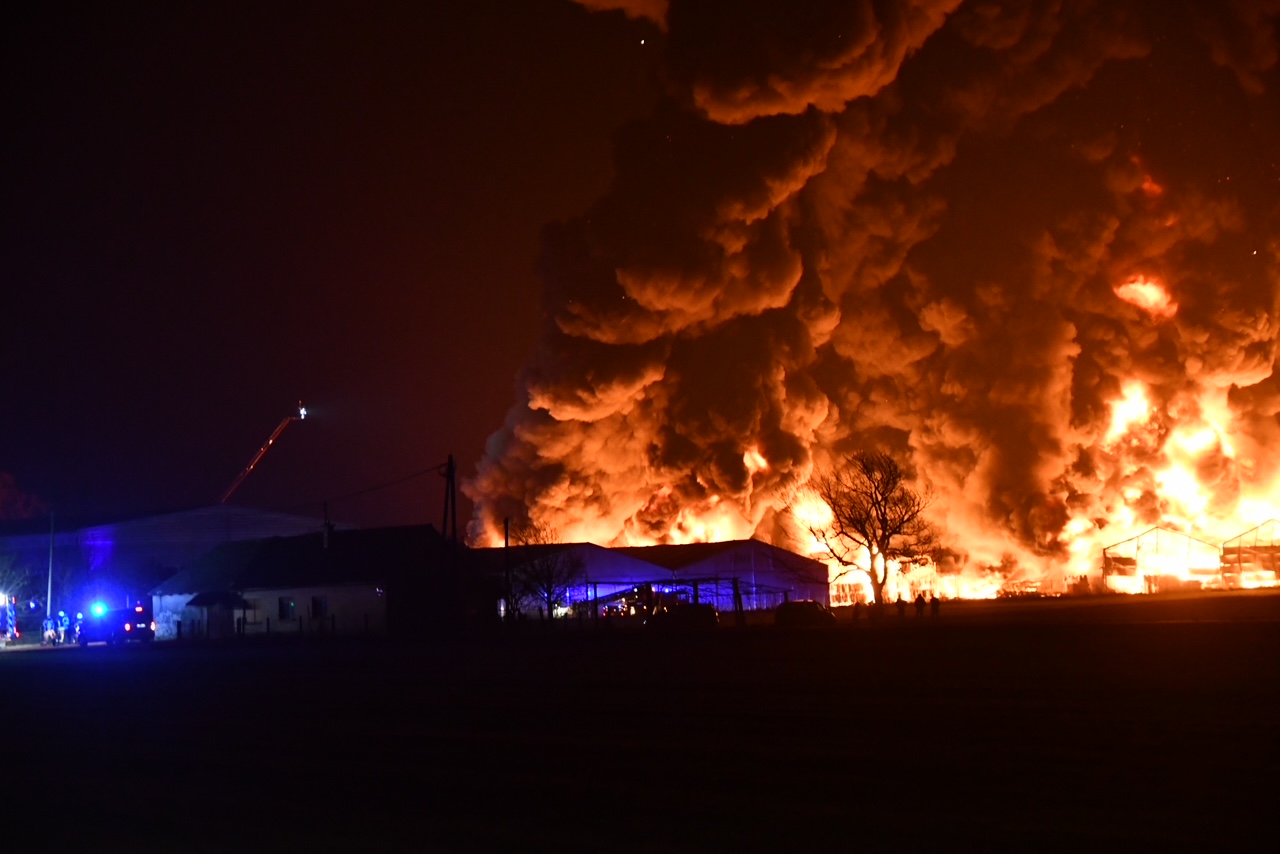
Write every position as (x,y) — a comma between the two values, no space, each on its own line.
(119,626)
(803,613)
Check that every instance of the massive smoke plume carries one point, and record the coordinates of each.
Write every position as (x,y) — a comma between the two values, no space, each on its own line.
(965,233)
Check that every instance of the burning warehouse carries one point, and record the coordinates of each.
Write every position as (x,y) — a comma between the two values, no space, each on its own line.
(1161,560)
(1253,558)
(1030,250)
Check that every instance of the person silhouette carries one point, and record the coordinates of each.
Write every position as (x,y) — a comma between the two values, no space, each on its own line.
(919,605)
(902,606)
(934,604)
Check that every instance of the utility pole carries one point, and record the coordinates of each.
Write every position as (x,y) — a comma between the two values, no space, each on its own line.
(48,599)
(449,525)
(506,567)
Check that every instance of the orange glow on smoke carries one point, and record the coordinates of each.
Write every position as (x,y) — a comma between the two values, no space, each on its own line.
(1169,460)
(1174,483)
(1148,295)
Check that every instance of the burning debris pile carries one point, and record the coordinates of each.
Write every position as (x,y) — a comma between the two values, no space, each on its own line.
(1029,248)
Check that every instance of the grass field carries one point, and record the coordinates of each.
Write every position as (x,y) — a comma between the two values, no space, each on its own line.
(1034,725)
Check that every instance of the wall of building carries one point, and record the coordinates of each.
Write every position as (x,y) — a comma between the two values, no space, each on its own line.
(348,609)
(168,611)
(765,577)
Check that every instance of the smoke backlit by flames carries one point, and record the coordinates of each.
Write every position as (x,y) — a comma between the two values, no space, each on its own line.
(981,236)
(1149,296)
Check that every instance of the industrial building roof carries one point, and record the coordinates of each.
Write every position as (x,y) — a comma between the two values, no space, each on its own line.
(341,557)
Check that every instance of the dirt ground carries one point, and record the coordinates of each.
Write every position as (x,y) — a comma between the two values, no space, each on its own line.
(1032,725)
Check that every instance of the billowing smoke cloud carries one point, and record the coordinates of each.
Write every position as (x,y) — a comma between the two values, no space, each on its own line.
(960,232)
(651,10)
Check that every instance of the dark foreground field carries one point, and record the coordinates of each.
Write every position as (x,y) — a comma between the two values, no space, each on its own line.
(1065,725)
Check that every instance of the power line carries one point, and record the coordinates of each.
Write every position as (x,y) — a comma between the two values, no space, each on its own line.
(436,469)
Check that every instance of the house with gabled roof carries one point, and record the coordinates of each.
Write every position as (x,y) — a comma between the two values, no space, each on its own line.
(116,561)
(345,582)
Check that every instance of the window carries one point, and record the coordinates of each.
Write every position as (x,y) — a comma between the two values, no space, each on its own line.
(319,607)
(288,609)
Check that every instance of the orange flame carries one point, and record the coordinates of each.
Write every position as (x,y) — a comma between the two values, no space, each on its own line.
(1148,295)
(1132,408)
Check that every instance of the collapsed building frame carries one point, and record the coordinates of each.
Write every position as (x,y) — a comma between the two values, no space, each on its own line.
(1163,560)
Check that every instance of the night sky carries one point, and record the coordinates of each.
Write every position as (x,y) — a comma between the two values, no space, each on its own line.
(211,210)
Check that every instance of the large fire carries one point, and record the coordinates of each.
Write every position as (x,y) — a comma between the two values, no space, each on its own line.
(991,239)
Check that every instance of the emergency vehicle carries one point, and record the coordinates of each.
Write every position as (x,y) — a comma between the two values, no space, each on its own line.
(118,626)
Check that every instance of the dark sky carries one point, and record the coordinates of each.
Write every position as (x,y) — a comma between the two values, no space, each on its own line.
(211,210)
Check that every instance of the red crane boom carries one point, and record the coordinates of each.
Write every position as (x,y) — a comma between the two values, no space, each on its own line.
(275,434)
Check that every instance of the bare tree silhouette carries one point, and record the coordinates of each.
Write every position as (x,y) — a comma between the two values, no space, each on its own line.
(876,511)
(544,569)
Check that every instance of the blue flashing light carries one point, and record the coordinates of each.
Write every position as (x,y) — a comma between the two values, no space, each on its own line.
(62,613)
(79,615)
(97,609)
(33,604)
